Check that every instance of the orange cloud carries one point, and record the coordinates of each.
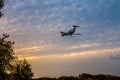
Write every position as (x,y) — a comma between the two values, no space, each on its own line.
(33,48)
(84,45)
(76,54)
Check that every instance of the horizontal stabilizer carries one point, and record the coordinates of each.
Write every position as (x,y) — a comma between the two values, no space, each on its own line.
(75,26)
(62,32)
(77,34)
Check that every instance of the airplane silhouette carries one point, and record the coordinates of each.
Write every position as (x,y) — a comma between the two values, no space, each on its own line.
(70,32)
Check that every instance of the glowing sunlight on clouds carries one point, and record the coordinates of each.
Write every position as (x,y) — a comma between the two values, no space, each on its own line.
(91,53)
(32,49)
(85,45)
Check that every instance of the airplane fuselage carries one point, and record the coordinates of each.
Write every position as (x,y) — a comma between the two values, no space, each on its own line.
(71,32)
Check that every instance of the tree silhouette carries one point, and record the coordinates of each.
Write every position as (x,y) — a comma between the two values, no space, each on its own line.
(11,67)
(6,56)
(23,70)
(1,5)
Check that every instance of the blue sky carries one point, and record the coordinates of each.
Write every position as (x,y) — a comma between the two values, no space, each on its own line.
(34,25)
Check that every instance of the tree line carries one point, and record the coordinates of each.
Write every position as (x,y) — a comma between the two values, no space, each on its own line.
(83,76)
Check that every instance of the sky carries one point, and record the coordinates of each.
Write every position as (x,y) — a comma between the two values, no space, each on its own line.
(35,25)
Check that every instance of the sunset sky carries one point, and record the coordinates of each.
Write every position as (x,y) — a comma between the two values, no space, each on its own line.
(35,25)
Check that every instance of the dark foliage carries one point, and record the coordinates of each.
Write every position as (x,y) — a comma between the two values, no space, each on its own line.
(83,76)
(23,70)
(11,68)
(67,78)
(45,78)
(6,56)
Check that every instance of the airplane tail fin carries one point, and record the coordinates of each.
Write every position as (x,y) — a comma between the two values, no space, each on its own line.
(62,33)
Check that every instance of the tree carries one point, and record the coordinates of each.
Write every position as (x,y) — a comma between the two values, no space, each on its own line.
(67,78)
(6,56)
(23,70)
(90,79)
(85,76)
(11,68)
(100,77)
(1,6)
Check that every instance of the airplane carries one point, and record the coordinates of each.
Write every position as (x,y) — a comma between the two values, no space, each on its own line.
(71,32)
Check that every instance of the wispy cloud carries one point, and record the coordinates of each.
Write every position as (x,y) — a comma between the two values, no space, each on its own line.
(85,54)
(85,45)
(115,57)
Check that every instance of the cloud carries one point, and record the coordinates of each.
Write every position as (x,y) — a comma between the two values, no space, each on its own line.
(42,24)
(85,54)
(85,45)
(32,49)
(115,57)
